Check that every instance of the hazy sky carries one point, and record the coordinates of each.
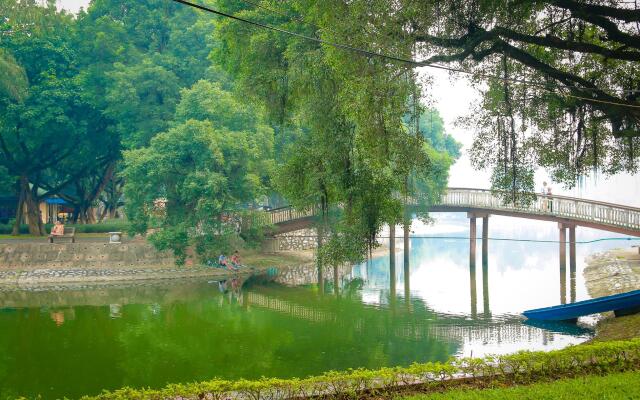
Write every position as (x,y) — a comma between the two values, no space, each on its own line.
(73,5)
(453,98)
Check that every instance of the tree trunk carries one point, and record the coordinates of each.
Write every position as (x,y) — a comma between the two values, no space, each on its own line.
(102,214)
(33,213)
(19,212)
(76,214)
(91,215)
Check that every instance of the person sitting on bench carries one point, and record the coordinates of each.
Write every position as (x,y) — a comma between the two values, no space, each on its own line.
(58,229)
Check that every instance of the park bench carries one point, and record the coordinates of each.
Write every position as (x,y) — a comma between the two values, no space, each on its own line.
(69,233)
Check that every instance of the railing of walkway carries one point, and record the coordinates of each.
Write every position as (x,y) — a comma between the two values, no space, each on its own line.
(557,206)
(285,214)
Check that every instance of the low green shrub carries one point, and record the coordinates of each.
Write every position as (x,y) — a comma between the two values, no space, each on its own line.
(103,227)
(521,367)
(7,229)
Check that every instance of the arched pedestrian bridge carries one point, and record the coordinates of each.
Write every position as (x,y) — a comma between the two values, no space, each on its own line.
(567,211)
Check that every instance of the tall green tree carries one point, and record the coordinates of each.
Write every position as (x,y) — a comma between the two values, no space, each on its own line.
(193,180)
(354,155)
(560,80)
(52,136)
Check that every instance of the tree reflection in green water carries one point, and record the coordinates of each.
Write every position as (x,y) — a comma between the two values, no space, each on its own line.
(150,336)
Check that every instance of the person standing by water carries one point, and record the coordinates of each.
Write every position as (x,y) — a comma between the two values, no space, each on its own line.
(543,192)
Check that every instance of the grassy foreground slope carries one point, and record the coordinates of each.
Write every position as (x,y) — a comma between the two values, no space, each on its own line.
(611,387)
(620,328)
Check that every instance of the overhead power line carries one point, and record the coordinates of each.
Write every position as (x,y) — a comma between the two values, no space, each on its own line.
(369,53)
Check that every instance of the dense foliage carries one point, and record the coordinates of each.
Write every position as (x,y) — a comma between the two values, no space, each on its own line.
(195,179)
(357,150)
(559,79)
(212,116)
(519,368)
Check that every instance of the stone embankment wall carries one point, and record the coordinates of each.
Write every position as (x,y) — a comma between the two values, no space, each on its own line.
(23,256)
(303,239)
(612,272)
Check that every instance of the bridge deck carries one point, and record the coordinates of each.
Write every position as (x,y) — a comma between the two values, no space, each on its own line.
(568,210)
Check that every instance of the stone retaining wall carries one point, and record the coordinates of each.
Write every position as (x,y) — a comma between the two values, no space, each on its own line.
(25,256)
(303,239)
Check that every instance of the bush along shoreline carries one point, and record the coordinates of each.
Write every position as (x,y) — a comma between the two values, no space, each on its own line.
(101,227)
(518,368)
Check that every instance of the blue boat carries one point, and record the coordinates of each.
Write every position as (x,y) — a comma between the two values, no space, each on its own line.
(621,304)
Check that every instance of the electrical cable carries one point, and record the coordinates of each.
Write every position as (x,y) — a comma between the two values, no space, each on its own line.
(398,59)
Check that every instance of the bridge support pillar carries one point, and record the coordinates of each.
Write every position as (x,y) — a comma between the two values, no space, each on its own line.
(485,266)
(472,257)
(392,258)
(472,240)
(406,228)
(405,268)
(392,246)
(572,262)
(485,239)
(563,262)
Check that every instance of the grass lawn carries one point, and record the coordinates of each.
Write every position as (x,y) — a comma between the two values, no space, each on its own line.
(610,387)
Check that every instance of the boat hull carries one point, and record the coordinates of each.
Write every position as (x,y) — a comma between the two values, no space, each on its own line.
(621,304)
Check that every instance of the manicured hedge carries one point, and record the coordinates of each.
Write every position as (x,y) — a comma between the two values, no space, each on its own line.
(522,367)
(103,227)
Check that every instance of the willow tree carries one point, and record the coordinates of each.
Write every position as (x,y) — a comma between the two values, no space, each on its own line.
(561,82)
(352,154)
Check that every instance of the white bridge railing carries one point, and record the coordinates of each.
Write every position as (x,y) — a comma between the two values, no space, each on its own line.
(286,214)
(555,206)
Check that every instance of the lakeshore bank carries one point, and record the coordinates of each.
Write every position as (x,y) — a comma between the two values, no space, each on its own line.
(611,272)
(31,262)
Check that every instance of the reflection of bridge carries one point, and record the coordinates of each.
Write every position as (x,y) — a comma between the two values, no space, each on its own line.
(408,326)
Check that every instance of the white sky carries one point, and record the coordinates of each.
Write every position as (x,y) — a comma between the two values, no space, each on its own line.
(73,5)
(453,98)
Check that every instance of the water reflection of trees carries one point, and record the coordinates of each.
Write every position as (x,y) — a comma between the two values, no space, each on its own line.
(193,331)
(179,333)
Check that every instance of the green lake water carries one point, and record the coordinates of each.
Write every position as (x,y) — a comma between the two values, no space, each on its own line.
(71,341)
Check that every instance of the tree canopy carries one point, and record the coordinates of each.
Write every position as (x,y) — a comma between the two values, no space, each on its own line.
(561,83)
(192,179)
